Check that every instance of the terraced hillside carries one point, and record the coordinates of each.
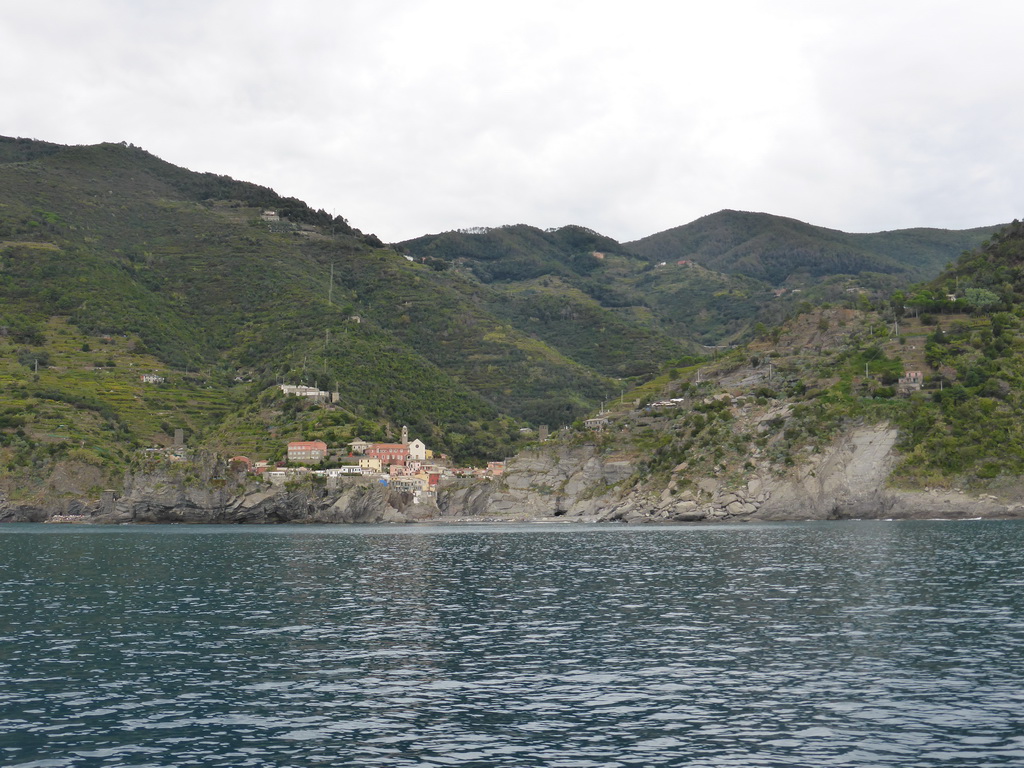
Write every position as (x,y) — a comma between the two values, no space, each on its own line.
(115,264)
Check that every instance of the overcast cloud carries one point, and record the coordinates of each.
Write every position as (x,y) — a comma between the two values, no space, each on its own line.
(629,117)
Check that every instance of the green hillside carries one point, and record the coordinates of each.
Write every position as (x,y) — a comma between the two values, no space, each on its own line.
(115,264)
(778,250)
(519,252)
(830,368)
(180,274)
(711,307)
(706,283)
(594,299)
(571,288)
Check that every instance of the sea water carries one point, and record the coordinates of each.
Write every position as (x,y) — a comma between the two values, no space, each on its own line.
(819,644)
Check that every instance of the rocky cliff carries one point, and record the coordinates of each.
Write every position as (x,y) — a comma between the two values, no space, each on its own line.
(845,480)
(584,483)
(161,498)
(556,481)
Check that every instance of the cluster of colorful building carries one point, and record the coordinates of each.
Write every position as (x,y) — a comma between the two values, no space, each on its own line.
(405,466)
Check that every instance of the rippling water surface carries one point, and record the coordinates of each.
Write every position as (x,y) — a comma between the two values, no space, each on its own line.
(847,644)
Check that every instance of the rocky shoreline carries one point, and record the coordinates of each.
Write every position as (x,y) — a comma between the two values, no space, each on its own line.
(845,481)
(557,483)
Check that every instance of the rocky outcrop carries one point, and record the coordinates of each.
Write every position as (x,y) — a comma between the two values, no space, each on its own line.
(354,501)
(557,481)
(69,509)
(163,499)
(845,480)
(947,505)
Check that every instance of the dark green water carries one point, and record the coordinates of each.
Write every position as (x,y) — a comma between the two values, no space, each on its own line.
(847,644)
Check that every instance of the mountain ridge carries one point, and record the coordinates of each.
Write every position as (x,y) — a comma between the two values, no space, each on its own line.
(777,248)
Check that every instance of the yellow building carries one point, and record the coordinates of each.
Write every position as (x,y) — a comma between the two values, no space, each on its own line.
(369,464)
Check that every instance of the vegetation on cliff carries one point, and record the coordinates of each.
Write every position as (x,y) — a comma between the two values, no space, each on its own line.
(767,406)
(115,264)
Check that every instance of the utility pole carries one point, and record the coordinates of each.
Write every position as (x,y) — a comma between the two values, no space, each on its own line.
(330,288)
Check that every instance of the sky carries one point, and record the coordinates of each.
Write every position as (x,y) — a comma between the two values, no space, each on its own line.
(632,117)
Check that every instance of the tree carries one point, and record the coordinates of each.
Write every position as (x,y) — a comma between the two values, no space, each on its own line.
(898,304)
(979,297)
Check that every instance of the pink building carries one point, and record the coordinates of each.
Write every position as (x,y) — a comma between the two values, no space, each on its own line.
(389,453)
(310,452)
(911,381)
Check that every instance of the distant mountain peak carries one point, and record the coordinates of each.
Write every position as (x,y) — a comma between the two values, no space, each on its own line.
(776,248)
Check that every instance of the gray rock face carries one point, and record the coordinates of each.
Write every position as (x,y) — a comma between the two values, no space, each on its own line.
(846,480)
(160,499)
(29,513)
(562,481)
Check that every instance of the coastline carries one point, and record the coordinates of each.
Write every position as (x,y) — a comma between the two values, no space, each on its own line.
(383,507)
(848,479)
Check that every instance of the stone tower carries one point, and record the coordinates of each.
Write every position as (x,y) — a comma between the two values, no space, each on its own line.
(405,435)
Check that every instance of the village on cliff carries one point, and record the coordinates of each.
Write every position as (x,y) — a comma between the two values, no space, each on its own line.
(408,466)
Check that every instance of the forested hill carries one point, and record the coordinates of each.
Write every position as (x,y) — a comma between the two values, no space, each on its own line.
(778,249)
(996,267)
(939,367)
(711,281)
(114,263)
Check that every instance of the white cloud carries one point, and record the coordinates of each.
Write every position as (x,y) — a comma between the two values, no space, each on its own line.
(410,117)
